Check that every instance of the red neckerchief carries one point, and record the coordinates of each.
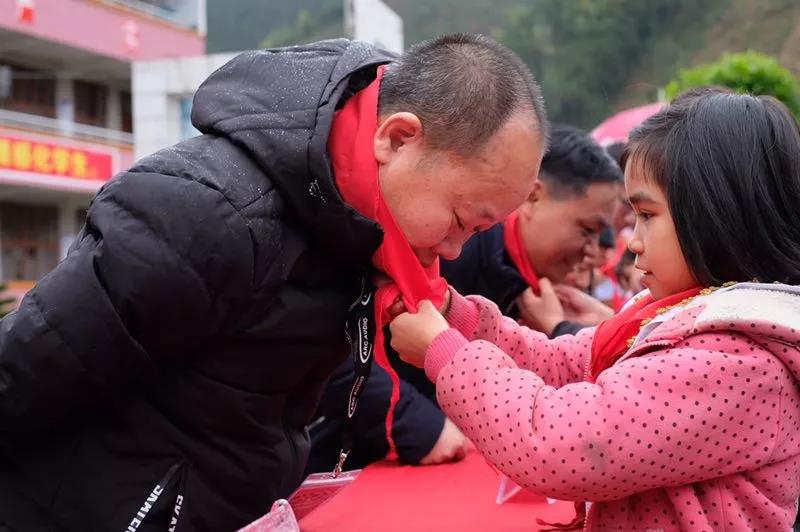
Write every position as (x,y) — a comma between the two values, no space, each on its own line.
(611,337)
(350,146)
(516,250)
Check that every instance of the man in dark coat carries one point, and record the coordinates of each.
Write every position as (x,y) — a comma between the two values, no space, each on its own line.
(162,376)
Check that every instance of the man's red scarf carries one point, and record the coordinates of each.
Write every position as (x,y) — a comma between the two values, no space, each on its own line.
(351,148)
(515,247)
(611,337)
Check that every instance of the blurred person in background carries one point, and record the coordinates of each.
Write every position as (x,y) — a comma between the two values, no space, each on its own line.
(624,218)
(611,281)
(603,286)
(630,279)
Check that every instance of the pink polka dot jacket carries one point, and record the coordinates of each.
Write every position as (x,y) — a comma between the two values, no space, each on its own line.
(696,428)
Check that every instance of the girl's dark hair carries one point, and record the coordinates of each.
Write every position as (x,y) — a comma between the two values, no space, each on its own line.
(729,165)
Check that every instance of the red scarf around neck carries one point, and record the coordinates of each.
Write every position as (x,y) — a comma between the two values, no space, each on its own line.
(515,247)
(351,146)
(611,337)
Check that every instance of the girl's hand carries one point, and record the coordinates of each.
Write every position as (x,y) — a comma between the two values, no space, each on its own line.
(412,334)
(397,307)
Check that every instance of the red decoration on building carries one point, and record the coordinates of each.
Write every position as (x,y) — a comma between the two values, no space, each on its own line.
(26,11)
(131,36)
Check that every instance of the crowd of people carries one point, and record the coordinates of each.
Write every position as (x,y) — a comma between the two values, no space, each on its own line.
(365,255)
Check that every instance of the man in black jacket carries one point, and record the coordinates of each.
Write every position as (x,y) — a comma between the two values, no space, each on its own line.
(161,377)
(571,204)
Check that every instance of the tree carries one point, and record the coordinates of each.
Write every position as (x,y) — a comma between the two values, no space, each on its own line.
(324,22)
(583,52)
(748,72)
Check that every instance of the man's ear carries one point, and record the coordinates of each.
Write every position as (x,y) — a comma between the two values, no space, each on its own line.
(538,193)
(395,132)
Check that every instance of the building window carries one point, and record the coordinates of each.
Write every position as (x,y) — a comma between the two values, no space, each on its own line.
(126,110)
(29,91)
(187,129)
(28,240)
(90,103)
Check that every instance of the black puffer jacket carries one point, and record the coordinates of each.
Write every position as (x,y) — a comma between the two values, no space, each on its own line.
(167,367)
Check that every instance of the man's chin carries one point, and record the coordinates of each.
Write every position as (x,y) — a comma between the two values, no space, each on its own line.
(427,261)
(425,257)
(554,276)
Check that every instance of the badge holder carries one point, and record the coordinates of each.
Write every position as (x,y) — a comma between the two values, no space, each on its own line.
(318,489)
(280,518)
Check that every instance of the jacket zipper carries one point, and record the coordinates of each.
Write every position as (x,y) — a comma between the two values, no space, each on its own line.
(642,347)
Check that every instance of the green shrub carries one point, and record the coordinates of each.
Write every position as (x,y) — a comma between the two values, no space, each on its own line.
(748,72)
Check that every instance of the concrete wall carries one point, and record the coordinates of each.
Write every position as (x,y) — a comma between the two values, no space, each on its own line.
(158,87)
(374,22)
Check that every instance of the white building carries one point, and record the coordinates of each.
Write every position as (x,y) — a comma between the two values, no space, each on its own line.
(65,112)
(374,22)
(162,99)
(163,89)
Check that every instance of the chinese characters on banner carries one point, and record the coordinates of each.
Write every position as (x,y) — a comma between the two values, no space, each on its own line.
(27,155)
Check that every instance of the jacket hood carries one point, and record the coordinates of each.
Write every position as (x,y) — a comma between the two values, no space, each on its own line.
(278,106)
(769,314)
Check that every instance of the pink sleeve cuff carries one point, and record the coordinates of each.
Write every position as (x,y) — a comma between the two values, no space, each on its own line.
(441,351)
(463,314)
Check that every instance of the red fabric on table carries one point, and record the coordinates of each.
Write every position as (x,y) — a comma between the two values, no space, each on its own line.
(389,497)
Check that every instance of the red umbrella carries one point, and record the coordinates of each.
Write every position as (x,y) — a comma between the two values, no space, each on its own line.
(616,128)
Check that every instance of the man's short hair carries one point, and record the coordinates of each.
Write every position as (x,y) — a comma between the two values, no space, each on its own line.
(463,87)
(575,161)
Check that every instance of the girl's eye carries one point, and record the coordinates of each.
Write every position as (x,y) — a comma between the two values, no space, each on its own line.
(644,216)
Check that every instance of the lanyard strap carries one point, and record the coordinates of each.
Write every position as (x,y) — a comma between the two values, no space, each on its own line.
(360,333)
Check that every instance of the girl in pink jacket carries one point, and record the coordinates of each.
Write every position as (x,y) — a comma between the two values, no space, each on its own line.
(683,411)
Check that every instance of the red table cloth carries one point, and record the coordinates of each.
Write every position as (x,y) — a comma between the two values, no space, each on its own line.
(460,497)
